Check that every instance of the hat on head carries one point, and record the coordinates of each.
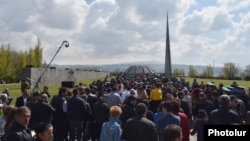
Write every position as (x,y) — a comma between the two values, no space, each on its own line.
(230,87)
(226,89)
(241,87)
(210,84)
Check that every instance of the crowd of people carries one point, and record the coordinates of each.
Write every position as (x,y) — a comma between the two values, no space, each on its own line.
(142,108)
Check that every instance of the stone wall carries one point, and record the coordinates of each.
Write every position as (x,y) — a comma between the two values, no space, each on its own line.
(56,76)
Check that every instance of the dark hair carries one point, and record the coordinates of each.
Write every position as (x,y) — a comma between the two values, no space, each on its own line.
(171,132)
(41,127)
(75,92)
(9,113)
(62,90)
(181,94)
(177,104)
(140,109)
(87,90)
(114,88)
(232,97)
(25,85)
(169,105)
(146,102)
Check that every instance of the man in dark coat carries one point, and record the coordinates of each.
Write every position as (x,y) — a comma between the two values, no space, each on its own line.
(100,115)
(204,103)
(18,130)
(128,109)
(78,112)
(91,99)
(41,111)
(184,104)
(60,117)
(140,128)
(24,99)
(224,115)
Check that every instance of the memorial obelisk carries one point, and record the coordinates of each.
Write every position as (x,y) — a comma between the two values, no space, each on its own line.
(168,67)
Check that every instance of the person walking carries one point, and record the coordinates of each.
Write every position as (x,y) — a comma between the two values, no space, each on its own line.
(60,119)
(78,113)
(140,128)
(112,130)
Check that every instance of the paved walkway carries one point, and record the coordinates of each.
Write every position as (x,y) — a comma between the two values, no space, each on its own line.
(193,138)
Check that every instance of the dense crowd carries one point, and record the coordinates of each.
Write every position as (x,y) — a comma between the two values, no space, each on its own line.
(142,108)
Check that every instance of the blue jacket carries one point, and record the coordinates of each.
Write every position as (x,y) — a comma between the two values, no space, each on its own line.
(111,130)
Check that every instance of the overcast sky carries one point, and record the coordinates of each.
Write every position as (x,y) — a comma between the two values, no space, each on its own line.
(202,32)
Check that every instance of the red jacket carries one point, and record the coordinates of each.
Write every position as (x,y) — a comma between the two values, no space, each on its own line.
(184,125)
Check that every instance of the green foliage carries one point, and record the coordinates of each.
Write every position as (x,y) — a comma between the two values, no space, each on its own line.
(208,72)
(178,72)
(38,55)
(11,62)
(192,72)
(230,70)
(6,62)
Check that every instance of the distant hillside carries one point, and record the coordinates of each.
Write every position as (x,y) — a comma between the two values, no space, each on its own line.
(159,68)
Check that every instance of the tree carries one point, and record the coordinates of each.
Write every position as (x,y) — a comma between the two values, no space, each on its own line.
(7,63)
(178,72)
(11,62)
(246,73)
(208,72)
(192,72)
(38,55)
(182,72)
(30,57)
(34,56)
(230,70)
(247,70)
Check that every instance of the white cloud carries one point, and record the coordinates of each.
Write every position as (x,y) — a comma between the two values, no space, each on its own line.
(118,31)
(234,4)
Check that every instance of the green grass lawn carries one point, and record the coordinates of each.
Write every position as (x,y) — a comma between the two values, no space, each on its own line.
(244,83)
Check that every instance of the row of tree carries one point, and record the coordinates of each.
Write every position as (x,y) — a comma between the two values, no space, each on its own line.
(12,62)
(229,71)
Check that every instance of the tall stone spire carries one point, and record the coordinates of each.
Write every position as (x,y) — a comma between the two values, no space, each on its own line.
(168,66)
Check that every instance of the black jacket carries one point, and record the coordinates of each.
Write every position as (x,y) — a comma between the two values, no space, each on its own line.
(140,129)
(20,102)
(100,112)
(41,112)
(17,132)
(223,116)
(78,109)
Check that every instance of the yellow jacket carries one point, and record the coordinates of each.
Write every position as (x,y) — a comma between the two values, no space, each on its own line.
(156,94)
